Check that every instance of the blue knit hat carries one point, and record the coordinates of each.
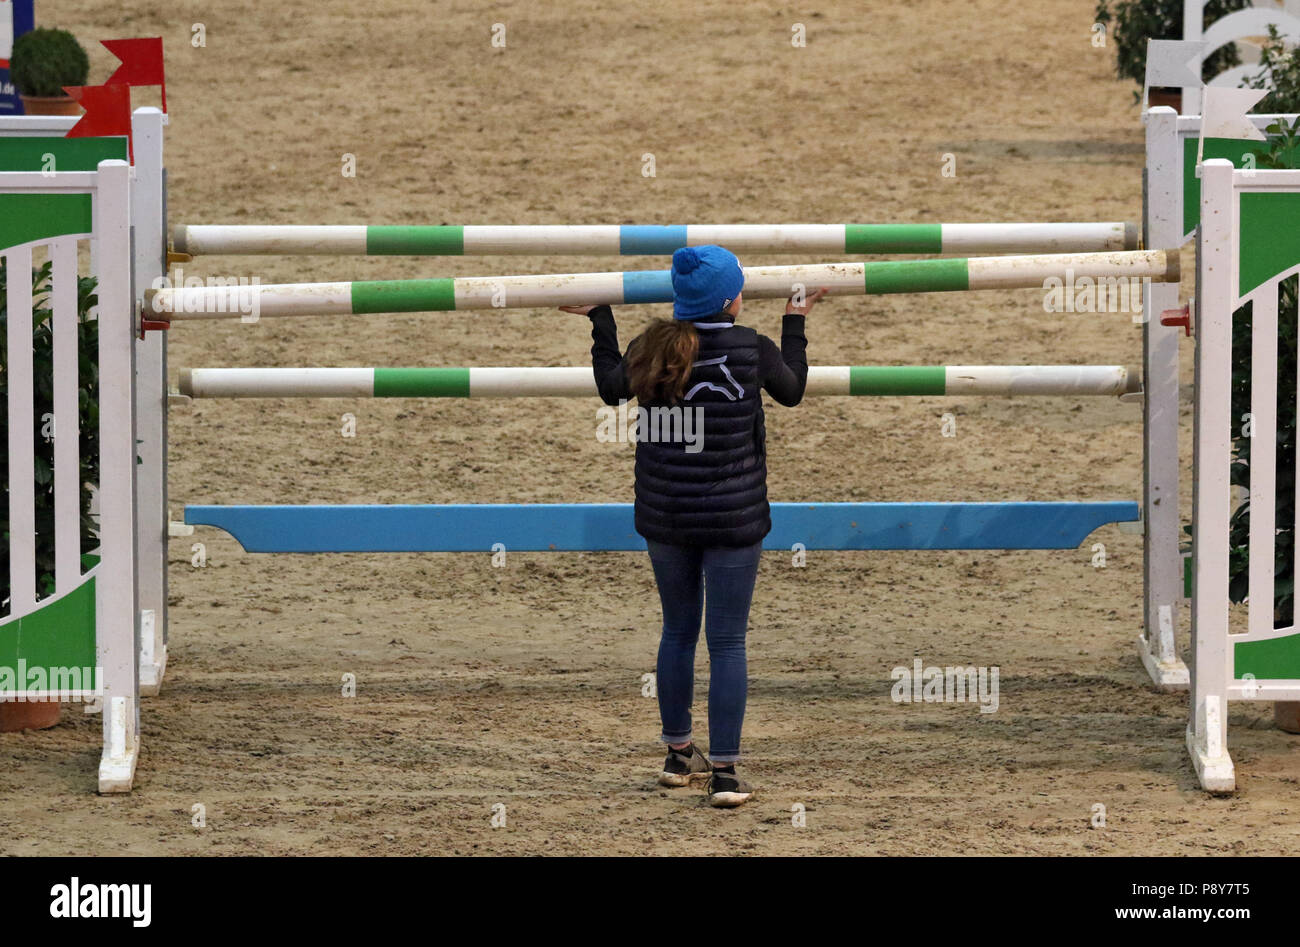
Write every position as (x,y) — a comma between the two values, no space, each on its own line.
(706,280)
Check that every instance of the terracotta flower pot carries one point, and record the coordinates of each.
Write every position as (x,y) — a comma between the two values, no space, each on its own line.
(1170,97)
(1286,714)
(50,105)
(28,715)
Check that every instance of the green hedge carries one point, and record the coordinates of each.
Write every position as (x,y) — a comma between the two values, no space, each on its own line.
(1130,23)
(1280,74)
(88,401)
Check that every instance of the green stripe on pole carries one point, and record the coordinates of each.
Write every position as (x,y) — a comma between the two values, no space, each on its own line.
(407,295)
(421,382)
(897,380)
(415,241)
(893,238)
(916,276)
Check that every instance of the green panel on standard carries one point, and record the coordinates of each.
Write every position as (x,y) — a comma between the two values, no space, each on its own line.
(1268,660)
(29,218)
(1270,237)
(59,634)
(59,154)
(1231,149)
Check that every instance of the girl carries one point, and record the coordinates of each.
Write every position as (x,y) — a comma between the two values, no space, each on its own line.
(701,487)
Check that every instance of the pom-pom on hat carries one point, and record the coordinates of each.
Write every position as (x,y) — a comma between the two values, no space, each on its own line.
(706,280)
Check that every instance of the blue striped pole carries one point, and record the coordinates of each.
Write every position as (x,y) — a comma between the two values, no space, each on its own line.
(627,240)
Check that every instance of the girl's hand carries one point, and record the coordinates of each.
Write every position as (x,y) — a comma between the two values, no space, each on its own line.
(577,310)
(809,301)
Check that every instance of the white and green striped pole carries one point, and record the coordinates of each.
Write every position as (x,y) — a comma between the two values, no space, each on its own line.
(206,239)
(578,382)
(652,286)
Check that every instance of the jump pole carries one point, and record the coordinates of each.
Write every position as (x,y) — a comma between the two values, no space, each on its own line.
(652,286)
(213,239)
(890,380)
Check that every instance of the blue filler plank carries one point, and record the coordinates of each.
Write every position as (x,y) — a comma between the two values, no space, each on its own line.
(476,527)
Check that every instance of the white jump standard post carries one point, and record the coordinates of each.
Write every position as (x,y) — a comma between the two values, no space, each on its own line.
(91,620)
(1244,256)
(1162,527)
(147,200)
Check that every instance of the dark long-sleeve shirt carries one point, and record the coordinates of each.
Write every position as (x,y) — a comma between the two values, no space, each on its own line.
(783,370)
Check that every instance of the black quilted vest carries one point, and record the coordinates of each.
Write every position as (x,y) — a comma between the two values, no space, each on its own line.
(716,496)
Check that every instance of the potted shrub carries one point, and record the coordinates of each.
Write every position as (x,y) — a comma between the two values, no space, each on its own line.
(1136,21)
(43,61)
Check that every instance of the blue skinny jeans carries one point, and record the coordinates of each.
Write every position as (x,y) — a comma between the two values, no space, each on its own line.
(684,574)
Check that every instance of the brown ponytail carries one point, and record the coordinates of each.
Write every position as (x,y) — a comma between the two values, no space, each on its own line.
(659,362)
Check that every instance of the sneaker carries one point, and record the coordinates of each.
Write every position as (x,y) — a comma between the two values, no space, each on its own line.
(727,790)
(683,767)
